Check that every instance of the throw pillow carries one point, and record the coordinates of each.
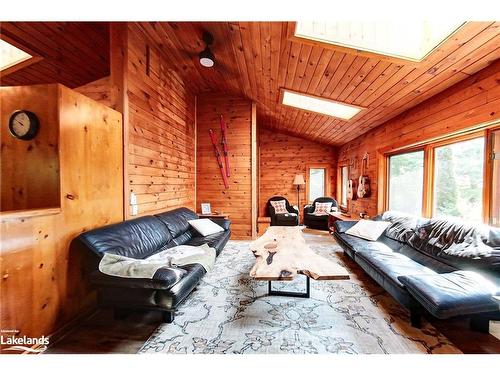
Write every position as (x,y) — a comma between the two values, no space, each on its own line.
(368,229)
(279,207)
(322,208)
(205,227)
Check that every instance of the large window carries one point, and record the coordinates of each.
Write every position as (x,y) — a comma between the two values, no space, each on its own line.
(458,180)
(406,181)
(447,179)
(317,183)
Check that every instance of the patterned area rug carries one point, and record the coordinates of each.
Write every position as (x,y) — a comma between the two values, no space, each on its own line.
(231,313)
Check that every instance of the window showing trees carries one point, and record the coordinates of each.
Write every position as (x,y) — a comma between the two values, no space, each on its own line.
(458,180)
(317,180)
(344,178)
(406,181)
(446,178)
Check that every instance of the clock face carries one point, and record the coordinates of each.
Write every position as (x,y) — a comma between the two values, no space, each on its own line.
(23,125)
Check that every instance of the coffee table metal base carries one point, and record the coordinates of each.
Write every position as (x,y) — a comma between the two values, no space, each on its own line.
(305,294)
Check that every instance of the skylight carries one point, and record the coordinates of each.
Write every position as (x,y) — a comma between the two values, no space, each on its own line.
(11,55)
(319,105)
(407,39)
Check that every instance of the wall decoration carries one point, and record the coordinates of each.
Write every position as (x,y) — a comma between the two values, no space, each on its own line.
(206,209)
(218,157)
(223,142)
(364,181)
(351,189)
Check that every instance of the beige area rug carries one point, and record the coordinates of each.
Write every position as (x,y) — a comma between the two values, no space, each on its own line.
(231,313)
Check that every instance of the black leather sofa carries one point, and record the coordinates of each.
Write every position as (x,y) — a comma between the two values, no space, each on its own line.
(314,221)
(446,268)
(140,238)
(288,220)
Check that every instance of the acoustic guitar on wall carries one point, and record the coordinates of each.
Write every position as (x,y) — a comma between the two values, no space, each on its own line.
(364,181)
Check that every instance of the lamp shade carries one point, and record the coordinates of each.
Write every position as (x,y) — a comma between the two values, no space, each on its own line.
(299,180)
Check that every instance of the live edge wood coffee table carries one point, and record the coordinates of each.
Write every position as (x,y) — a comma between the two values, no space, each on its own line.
(282,252)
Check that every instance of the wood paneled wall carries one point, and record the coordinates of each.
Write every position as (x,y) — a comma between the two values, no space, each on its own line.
(43,284)
(236,201)
(99,90)
(281,157)
(469,103)
(161,130)
(30,169)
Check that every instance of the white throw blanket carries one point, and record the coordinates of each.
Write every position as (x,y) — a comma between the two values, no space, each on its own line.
(122,266)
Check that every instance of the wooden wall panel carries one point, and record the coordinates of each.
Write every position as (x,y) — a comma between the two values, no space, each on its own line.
(236,201)
(43,284)
(99,90)
(467,104)
(30,169)
(281,157)
(161,131)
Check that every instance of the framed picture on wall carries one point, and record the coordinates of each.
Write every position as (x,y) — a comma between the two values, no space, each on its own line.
(206,209)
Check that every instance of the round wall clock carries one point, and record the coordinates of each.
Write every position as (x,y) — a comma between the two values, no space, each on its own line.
(23,125)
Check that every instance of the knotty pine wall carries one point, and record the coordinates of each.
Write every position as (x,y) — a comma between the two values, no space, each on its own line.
(469,103)
(99,90)
(161,130)
(29,170)
(281,157)
(43,284)
(236,201)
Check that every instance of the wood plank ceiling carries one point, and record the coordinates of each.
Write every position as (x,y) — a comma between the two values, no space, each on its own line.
(73,53)
(256,59)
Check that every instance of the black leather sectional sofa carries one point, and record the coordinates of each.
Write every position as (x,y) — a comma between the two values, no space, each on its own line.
(446,268)
(140,238)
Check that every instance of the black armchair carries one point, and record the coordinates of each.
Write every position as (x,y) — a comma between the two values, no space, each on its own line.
(314,221)
(288,220)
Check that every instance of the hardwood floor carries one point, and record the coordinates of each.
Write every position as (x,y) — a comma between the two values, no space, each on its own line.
(102,334)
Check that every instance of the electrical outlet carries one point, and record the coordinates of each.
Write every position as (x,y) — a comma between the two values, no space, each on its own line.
(134,209)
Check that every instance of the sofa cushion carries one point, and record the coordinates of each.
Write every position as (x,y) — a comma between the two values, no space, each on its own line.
(368,229)
(459,244)
(177,220)
(402,225)
(392,265)
(452,294)
(205,227)
(137,238)
(343,226)
(164,278)
(217,240)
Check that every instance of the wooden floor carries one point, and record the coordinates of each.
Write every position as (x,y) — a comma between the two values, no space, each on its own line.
(102,334)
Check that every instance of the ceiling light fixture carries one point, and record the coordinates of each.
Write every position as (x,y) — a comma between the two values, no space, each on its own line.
(319,105)
(207,58)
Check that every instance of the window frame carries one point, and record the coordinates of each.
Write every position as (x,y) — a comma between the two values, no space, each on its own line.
(388,173)
(327,187)
(429,170)
(340,187)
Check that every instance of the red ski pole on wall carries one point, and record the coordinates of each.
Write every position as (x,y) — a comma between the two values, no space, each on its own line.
(223,142)
(218,157)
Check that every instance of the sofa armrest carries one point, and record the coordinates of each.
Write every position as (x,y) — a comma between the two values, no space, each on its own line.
(294,210)
(224,223)
(343,226)
(164,278)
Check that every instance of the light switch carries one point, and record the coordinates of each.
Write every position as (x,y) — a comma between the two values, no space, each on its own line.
(133,198)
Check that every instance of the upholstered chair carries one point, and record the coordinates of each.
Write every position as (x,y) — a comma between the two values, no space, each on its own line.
(317,221)
(290,218)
